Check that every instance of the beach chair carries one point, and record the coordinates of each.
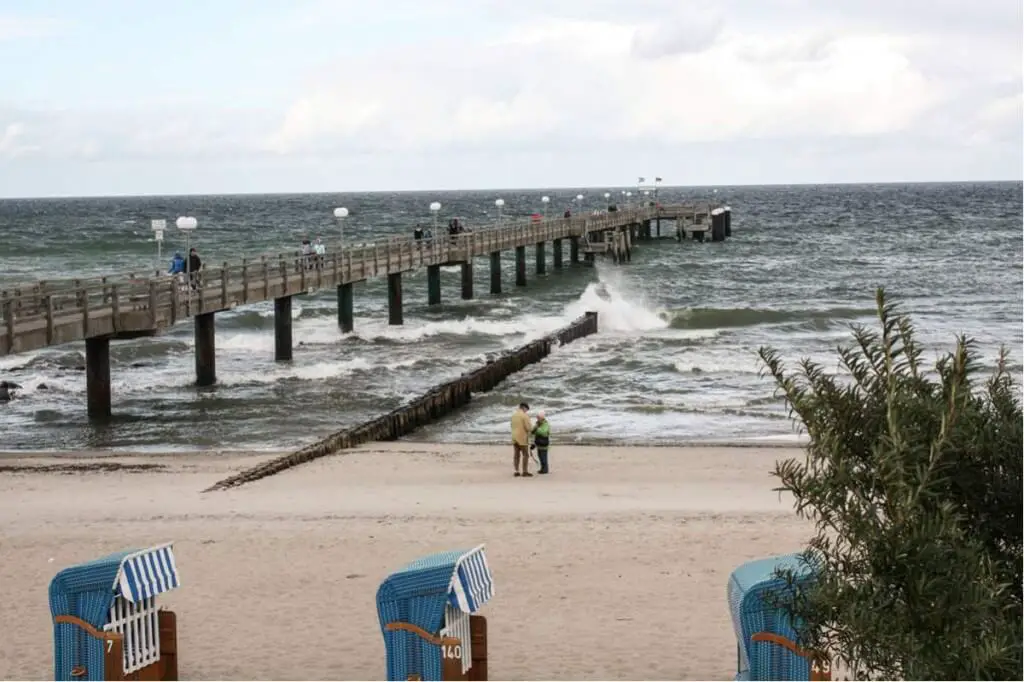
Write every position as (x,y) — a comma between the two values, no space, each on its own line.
(106,625)
(766,639)
(427,614)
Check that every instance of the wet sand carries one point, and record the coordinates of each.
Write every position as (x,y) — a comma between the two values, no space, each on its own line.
(613,567)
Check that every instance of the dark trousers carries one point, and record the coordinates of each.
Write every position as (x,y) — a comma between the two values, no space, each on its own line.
(542,455)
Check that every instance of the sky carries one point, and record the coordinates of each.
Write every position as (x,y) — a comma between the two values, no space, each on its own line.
(128,97)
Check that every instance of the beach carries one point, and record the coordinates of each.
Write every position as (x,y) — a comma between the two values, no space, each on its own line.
(613,567)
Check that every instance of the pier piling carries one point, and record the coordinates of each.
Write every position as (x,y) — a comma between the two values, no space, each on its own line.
(206,350)
(283,329)
(97,377)
(541,258)
(345,321)
(467,280)
(520,266)
(433,284)
(495,272)
(395,298)
(556,251)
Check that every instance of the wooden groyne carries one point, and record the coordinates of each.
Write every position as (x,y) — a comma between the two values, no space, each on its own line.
(433,405)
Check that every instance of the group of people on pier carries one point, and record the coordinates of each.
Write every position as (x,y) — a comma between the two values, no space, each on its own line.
(191,268)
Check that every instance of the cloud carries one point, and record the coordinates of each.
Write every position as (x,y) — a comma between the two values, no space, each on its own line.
(23,27)
(508,82)
(599,81)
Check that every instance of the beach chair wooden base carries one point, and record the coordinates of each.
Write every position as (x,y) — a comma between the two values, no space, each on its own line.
(821,669)
(451,660)
(164,669)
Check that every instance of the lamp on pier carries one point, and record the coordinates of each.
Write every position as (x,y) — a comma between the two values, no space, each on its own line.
(188,224)
(340,214)
(545,200)
(629,199)
(499,203)
(435,206)
(579,200)
(608,198)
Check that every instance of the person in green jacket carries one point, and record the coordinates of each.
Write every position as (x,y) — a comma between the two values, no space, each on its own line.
(541,440)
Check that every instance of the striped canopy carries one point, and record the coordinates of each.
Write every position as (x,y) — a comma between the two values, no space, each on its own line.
(147,573)
(471,586)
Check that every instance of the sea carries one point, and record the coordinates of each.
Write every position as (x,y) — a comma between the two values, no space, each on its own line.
(675,360)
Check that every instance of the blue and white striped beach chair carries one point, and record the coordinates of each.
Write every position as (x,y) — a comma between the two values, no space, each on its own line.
(766,638)
(106,625)
(425,615)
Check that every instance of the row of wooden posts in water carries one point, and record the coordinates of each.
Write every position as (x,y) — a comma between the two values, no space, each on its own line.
(433,405)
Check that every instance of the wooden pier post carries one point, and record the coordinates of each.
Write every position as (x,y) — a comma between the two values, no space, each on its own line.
(467,280)
(728,221)
(658,226)
(520,266)
(541,258)
(206,353)
(556,251)
(574,249)
(718,225)
(283,329)
(433,284)
(345,307)
(495,272)
(97,377)
(395,298)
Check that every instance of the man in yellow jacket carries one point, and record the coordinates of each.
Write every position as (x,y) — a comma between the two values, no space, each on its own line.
(521,428)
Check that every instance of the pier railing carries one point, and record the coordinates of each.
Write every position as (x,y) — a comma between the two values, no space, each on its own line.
(65,311)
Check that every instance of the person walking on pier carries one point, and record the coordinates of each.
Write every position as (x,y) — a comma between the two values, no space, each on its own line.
(177,265)
(320,251)
(195,264)
(521,428)
(541,441)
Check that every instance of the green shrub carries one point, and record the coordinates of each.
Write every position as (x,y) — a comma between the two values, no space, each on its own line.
(913,481)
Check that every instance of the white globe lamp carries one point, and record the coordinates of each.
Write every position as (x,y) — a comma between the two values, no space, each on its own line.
(435,206)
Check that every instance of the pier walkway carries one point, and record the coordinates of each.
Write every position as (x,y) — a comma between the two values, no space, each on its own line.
(126,307)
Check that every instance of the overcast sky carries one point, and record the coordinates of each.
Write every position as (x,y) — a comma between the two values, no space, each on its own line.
(143,97)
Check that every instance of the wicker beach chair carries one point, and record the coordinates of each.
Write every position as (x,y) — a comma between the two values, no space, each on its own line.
(766,639)
(106,625)
(427,616)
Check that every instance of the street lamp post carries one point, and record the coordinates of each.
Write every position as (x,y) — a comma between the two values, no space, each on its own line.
(340,214)
(579,200)
(435,206)
(545,200)
(188,224)
(499,203)
(629,199)
(158,235)
(608,199)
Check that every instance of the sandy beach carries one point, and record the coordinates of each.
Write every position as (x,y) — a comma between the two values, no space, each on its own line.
(613,567)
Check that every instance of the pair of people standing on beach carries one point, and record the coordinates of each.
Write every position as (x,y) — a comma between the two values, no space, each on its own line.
(522,429)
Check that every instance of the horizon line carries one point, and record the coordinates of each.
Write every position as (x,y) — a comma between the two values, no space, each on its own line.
(552,188)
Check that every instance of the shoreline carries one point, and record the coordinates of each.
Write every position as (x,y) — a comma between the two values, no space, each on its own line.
(590,561)
(247,453)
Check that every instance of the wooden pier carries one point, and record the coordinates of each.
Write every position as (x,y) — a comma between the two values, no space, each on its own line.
(126,307)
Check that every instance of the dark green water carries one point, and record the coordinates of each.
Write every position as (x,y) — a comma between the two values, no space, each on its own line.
(674,360)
